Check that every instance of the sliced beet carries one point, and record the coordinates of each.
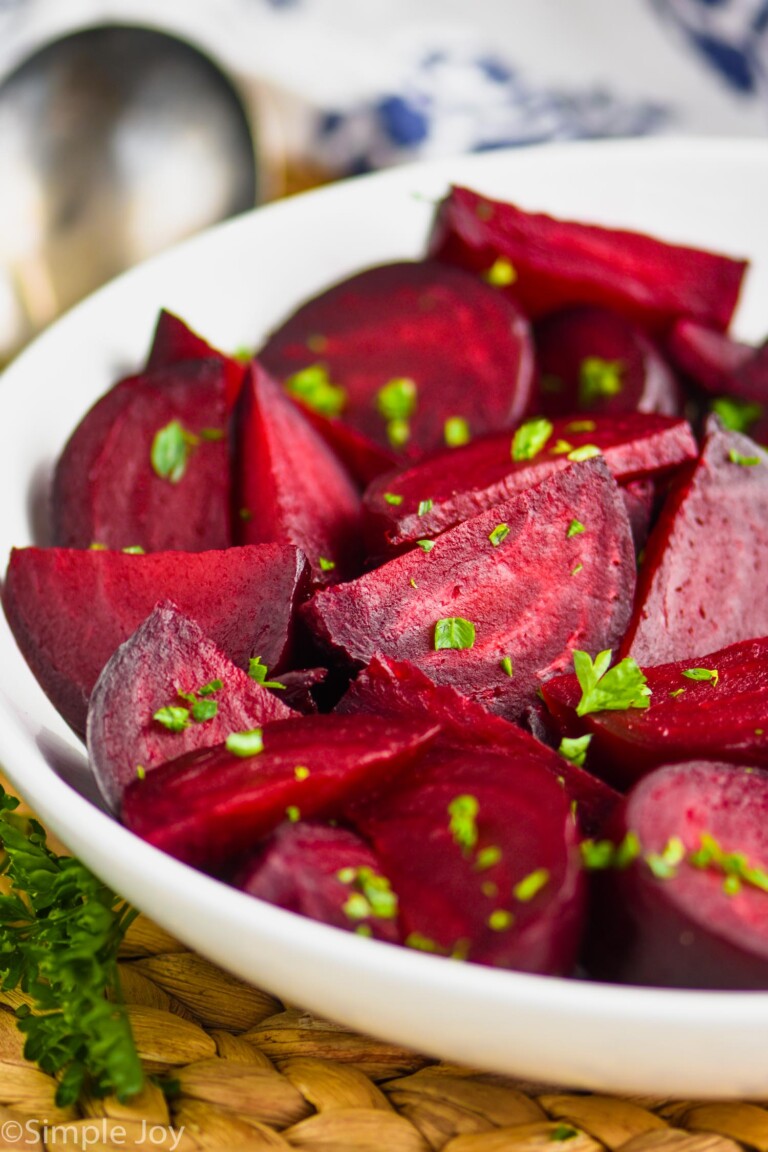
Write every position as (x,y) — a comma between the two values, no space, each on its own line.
(665,921)
(148,466)
(592,359)
(481,851)
(69,609)
(708,357)
(360,456)
(465,481)
(639,500)
(174,342)
(166,660)
(399,689)
(516,583)
(722,716)
(211,808)
(551,263)
(706,558)
(463,350)
(314,870)
(290,487)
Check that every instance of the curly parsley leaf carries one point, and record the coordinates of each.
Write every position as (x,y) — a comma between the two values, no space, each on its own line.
(605,688)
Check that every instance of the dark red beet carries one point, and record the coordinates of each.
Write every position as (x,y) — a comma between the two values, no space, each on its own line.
(389,688)
(166,656)
(360,456)
(532,597)
(291,487)
(69,609)
(212,807)
(465,481)
(557,263)
(708,357)
(298,868)
(723,717)
(457,895)
(108,487)
(297,687)
(639,500)
(592,359)
(173,342)
(464,349)
(707,558)
(687,930)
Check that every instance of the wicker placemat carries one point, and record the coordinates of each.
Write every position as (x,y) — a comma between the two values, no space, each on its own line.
(251,1073)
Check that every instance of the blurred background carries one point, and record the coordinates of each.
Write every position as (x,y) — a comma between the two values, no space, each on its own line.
(126,126)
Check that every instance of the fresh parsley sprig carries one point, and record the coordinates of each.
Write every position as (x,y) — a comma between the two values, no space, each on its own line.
(60,930)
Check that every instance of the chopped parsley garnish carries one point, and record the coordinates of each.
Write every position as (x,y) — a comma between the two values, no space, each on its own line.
(531,885)
(463,811)
(530,438)
(170,451)
(664,864)
(174,718)
(500,533)
(421,943)
(133,550)
(301,772)
(258,671)
(456,432)
(597,855)
(575,571)
(412,582)
(710,675)
(575,528)
(203,710)
(326,565)
(245,744)
(581,426)
(293,814)
(96,547)
(605,688)
(561,448)
(425,506)
(598,379)
(734,866)
(736,457)
(677,692)
(211,688)
(397,399)
(454,632)
(212,435)
(585,452)
(393,498)
(501,273)
(574,748)
(426,545)
(313,387)
(141,772)
(500,920)
(398,432)
(487,857)
(737,415)
(506,666)
(373,895)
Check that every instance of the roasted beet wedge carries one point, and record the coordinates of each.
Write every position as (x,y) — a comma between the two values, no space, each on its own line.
(448,487)
(592,359)
(707,357)
(148,466)
(640,501)
(481,851)
(707,558)
(691,910)
(174,342)
(399,689)
(168,664)
(329,874)
(549,263)
(212,807)
(519,583)
(69,609)
(715,706)
(291,487)
(424,355)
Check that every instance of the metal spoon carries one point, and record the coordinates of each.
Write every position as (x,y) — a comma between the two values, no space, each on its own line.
(114,143)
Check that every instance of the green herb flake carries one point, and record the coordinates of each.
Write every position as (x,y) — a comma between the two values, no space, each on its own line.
(708,675)
(313,387)
(506,666)
(599,379)
(597,855)
(393,498)
(203,710)
(759,731)
(581,426)
(364,930)
(397,399)
(398,432)
(425,506)
(456,432)
(463,811)
(530,438)
(95,547)
(531,885)
(172,717)
(141,772)
(677,692)
(374,895)
(499,534)
(562,1132)
(605,688)
(258,671)
(574,748)
(488,857)
(133,550)
(293,814)
(575,571)
(561,448)
(736,415)
(326,565)
(731,885)
(584,452)
(412,582)
(421,943)
(356,907)
(245,744)
(575,528)
(426,545)
(211,688)
(301,772)
(171,447)
(501,273)
(212,435)
(454,632)
(500,920)
(628,850)
(736,457)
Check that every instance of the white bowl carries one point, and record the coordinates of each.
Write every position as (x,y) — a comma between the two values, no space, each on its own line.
(234,284)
